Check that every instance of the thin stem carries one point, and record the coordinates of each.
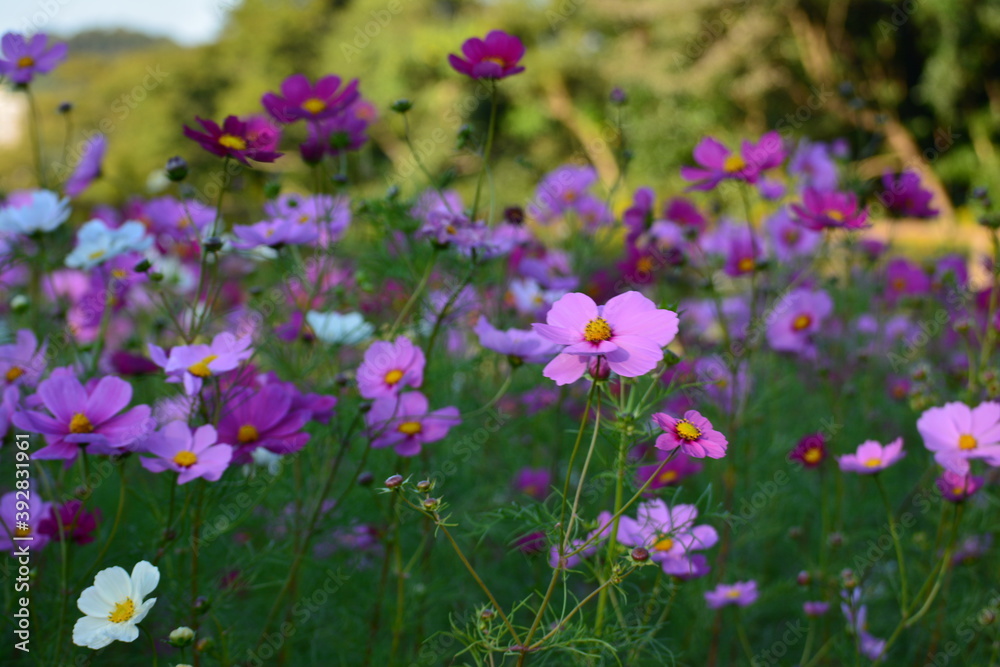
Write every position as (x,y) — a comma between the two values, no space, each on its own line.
(36,138)
(417,292)
(613,537)
(742,634)
(489,147)
(152,644)
(893,528)
(114,526)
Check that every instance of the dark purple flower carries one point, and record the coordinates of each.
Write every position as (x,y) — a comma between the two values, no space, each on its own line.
(810,451)
(718,163)
(23,58)
(955,487)
(496,57)
(78,525)
(903,196)
(533,482)
(829,210)
(232,140)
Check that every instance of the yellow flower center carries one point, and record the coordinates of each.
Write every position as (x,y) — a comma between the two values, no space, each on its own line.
(25,61)
(899,284)
(734,163)
(966,441)
(410,428)
(185,459)
(303,219)
(80,424)
(97,254)
(14,373)
(393,376)
(668,476)
(645,264)
(233,142)
(248,433)
(22,532)
(733,594)
(958,491)
(791,236)
(687,430)
(201,369)
(183,223)
(802,322)
(664,544)
(745,265)
(873,462)
(813,455)
(835,215)
(495,59)
(597,330)
(123,611)
(314,105)
(120,274)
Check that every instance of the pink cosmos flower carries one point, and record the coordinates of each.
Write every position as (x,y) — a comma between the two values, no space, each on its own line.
(274,233)
(22,362)
(692,433)
(232,140)
(677,470)
(796,319)
(89,167)
(388,367)
(871,457)
(829,210)
(405,422)
(742,593)
(955,488)
(668,533)
(191,455)
(496,57)
(301,100)
(25,57)
(11,512)
(629,332)
(957,434)
(718,163)
(520,345)
(268,418)
(788,239)
(192,364)
(85,416)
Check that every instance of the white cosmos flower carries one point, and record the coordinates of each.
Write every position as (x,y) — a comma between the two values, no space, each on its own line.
(33,211)
(96,243)
(340,328)
(114,605)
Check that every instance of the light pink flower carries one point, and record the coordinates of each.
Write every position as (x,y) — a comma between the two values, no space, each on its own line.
(388,367)
(957,434)
(872,457)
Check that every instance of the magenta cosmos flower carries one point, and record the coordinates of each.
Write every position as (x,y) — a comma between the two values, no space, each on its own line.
(692,433)
(742,593)
(955,488)
(82,417)
(405,422)
(957,434)
(388,367)
(629,331)
(23,58)
(872,457)
(668,533)
(904,196)
(520,345)
(233,140)
(718,163)
(495,57)
(22,362)
(674,472)
(810,451)
(78,524)
(190,455)
(268,418)
(302,100)
(829,210)
(192,364)
(797,319)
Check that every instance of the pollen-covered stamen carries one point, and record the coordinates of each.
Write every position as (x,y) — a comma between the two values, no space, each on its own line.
(314,105)
(14,372)
(746,265)
(25,61)
(22,532)
(687,430)
(668,476)
(97,254)
(813,455)
(597,330)
(123,611)
(410,428)
(664,543)
(966,441)
(495,59)
(80,424)
(873,463)
(734,163)
(201,368)
(233,142)
(393,376)
(802,322)
(185,459)
(834,214)
(735,593)
(248,433)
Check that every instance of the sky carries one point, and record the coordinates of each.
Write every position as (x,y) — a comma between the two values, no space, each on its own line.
(187,22)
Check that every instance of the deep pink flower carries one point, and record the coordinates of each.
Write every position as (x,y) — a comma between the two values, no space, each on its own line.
(78,525)
(406,423)
(389,367)
(957,434)
(232,140)
(692,433)
(810,451)
(23,58)
(301,100)
(679,468)
(871,457)
(82,416)
(629,332)
(266,418)
(829,210)
(905,278)
(905,197)
(956,488)
(190,455)
(520,345)
(742,593)
(533,482)
(719,163)
(496,57)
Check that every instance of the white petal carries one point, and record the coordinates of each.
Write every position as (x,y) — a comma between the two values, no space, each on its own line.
(145,577)
(113,584)
(123,632)
(143,610)
(90,632)
(92,604)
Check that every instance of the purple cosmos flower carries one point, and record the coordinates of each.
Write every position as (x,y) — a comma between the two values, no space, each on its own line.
(788,239)
(78,525)
(798,318)
(301,100)
(683,212)
(232,140)
(560,560)
(813,164)
(10,401)
(12,510)
(810,451)
(737,245)
(692,433)
(905,278)
(533,482)
(871,457)
(23,58)
(561,190)
(266,418)
(629,332)
(22,362)
(406,423)
(718,163)
(742,593)
(520,345)
(955,488)
(496,57)
(347,131)
(871,647)
(274,234)
(89,167)
(191,364)
(679,468)
(829,210)
(904,196)
(668,533)
(957,434)
(85,416)
(191,455)
(388,367)
(177,219)
(815,608)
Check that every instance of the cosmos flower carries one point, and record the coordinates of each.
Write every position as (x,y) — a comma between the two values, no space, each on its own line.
(829,210)
(533,482)
(955,488)
(274,233)
(339,328)
(788,239)
(389,367)
(815,608)
(814,166)
(741,594)
(12,508)
(904,196)
(268,418)
(23,361)
(520,345)
(718,163)
(496,57)
(629,331)
(872,457)
(232,140)
(97,243)
(668,533)
(797,319)
(406,423)
(78,525)
(114,605)
(957,434)
(692,433)
(88,168)
(905,278)
(192,364)
(190,455)
(674,472)
(33,211)
(23,58)
(302,100)
(810,451)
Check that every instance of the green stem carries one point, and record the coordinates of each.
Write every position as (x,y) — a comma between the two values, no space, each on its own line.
(489,147)
(742,634)
(36,138)
(893,528)
(613,537)
(418,290)
(114,526)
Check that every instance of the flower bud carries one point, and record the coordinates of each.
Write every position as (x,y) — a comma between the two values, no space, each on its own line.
(181,637)
(272,189)
(423,486)
(19,303)
(213,244)
(803,579)
(987,617)
(401,105)
(394,481)
(65,107)
(618,96)
(431,504)
(156,276)
(366,478)
(640,555)
(142,266)
(177,169)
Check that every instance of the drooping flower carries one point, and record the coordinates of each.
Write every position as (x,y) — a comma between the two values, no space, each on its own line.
(872,457)
(339,328)
(810,451)
(741,594)
(78,525)
(23,57)
(302,100)
(190,455)
(797,319)
(955,488)
(27,213)
(495,57)
(114,605)
(85,417)
(692,433)
(629,331)
(406,423)
(904,196)
(96,243)
(957,434)
(389,367)
(192,364)
(12,513)
(829,210)
(520,345)
(719,163)
(232,140)
(23,361)
(88,168)
(668,533)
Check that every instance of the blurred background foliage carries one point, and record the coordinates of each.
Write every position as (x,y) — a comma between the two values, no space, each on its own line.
(922,76)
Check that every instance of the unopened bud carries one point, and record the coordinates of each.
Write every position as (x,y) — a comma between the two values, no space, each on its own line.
(640,555)
(181,637)
(394,481)
(177,169)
